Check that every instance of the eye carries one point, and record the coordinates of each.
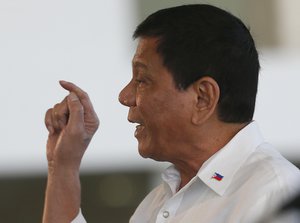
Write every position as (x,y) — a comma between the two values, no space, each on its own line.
(139,81)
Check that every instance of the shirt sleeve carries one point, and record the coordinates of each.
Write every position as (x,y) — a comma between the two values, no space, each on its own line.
(79,218)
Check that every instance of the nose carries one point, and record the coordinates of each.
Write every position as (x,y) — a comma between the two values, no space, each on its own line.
(127,95)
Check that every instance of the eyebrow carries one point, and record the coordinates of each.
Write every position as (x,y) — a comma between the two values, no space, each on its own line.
(138,64)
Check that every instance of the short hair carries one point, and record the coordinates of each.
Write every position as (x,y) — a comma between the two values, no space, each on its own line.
(202,40)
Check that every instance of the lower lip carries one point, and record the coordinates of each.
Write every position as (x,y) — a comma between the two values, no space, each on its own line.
(139,130)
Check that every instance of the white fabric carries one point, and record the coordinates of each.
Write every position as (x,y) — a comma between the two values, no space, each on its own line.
(79,218)
(256,179)
(292,216)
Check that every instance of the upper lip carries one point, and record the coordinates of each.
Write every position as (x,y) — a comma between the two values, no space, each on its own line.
(135,121)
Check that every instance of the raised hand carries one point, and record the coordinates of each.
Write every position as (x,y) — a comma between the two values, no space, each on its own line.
(71,125)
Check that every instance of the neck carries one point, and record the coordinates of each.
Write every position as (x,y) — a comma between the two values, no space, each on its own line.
(213,139)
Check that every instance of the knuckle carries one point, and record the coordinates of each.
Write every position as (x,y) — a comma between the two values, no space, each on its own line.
(97,122)
(84,94)
(49,111)
(56,106)
(60,111)
(64,100)
(48,115)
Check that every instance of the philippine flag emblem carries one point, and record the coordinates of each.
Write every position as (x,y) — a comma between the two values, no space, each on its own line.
(217,176)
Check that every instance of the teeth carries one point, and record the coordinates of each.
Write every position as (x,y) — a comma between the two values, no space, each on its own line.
(139,128)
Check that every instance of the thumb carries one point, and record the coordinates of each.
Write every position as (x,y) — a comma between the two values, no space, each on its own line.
(76,117)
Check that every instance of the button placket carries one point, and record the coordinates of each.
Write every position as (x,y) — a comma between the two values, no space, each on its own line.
(170,208)
(166,214)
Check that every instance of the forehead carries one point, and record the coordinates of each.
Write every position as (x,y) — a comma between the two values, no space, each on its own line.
(147,58)
(146,51)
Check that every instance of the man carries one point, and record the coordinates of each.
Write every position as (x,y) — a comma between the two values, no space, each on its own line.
(192,96)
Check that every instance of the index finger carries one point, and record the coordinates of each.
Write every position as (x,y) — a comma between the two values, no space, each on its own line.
(81,94)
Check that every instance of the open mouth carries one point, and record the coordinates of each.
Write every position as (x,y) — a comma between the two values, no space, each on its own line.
(139,129)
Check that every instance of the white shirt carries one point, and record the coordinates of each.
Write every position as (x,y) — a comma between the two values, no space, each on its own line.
(243,182)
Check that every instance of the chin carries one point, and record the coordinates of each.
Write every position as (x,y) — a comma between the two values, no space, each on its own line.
(148,152)
(145,151)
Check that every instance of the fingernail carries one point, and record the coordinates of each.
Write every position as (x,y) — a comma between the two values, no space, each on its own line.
(73,97)
(63,82)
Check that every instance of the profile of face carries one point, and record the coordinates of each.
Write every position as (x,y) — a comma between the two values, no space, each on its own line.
(161,111)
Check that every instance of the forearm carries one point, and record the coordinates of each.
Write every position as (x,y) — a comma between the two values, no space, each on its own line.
(62,200)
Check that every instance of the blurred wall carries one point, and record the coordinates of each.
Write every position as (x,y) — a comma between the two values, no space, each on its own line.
(260,14)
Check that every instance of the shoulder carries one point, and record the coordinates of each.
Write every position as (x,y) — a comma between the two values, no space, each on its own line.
(265,181)
(270,164)
(269,175)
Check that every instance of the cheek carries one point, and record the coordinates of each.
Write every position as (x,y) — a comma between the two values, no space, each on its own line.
(164,118)
(164,110)
(152,108)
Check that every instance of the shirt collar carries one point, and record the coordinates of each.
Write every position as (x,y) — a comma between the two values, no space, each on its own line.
(171,176)
(217,172)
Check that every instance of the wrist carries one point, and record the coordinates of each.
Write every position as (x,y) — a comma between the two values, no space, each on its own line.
(58,169)
(63,194)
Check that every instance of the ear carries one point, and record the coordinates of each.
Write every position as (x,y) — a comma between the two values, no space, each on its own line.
(207,92)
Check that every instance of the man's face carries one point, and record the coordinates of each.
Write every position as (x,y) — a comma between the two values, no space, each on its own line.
(161,111)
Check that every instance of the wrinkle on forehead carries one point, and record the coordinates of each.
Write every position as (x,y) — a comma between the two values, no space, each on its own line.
(147,43)
(146,55)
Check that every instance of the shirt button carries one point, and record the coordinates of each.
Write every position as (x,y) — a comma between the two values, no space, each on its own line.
(166,214)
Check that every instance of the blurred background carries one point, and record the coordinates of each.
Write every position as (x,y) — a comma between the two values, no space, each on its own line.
(89,42)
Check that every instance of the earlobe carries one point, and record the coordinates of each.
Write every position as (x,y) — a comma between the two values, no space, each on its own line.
(207,93)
